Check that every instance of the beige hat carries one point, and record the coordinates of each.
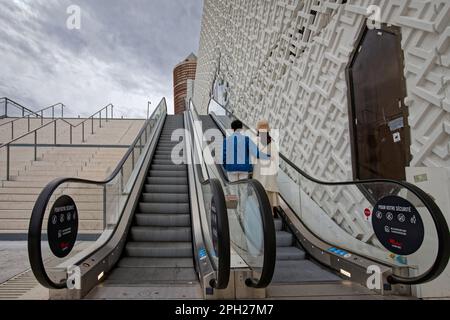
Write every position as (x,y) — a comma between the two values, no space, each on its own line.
(263,125)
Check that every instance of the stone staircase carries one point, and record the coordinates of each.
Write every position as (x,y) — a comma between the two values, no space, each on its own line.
(94,160)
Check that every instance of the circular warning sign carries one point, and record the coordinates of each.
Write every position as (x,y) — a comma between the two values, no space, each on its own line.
(398,225)
(62,226)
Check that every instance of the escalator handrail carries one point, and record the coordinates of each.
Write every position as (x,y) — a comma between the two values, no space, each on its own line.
(442,229)
(223,230)
(38,212)
(269,258)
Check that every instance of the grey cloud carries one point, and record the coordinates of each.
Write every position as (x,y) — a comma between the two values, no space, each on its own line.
(124,53)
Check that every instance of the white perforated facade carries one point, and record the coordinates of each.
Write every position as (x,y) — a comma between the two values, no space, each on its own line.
(285,60)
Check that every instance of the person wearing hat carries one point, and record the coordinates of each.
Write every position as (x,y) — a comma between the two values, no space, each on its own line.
(266,170)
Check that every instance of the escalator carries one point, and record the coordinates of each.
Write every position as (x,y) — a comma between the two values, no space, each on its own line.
(292,263)
(166,232)
(159,250)
(318,255)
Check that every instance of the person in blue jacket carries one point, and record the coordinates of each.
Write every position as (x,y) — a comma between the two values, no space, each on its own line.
(237,149)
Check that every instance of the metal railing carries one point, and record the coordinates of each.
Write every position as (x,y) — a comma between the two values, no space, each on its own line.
(442,230)
(136,152)
(54,122)
(6,103)
(38,114)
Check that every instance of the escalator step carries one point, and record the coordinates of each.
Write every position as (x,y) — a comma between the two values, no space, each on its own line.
(166,162)
(168,180)
(172,188)
(159,249)
(163,220)
(301,271)
(290,253)
(278,224)
(161,234)
(172,167)
(156,263)
(161,173)
(168,157)
(165,197)
(284,239)
(169,208)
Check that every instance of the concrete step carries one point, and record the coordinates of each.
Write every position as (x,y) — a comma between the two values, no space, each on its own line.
(284,239)
(24,205)
(26,214)
(23,224)
(33,197)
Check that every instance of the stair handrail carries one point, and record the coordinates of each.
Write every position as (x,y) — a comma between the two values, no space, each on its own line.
(40,206)
(440,223)
(54,122)
(269,258)
(37,114)
(16,105)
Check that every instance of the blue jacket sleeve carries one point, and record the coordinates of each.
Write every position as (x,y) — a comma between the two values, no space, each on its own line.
(256,153)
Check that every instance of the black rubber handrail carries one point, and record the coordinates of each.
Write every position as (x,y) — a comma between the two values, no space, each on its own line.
(38,212)
(442,229)
(223,230)
(268,225)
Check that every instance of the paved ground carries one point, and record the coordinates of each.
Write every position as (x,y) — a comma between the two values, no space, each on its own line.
(14,259)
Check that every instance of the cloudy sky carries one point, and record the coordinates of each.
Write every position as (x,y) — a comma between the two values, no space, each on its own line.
(124,52)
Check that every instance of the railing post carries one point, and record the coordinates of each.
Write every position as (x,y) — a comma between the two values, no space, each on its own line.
(35,145)
(112,112)
(42,117)
(23,112)
(104,206)
(82,132)
(92,125)
(6,108)
(140,145)
(107,113)
(100,117)
(146,137)
(54,121)
(132,160)
(121,179)
(28,123)
(70,134)
(12,130)
(53,113)
(7,162)
(62,111)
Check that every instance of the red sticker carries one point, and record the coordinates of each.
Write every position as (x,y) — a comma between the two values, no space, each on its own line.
(367,212)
